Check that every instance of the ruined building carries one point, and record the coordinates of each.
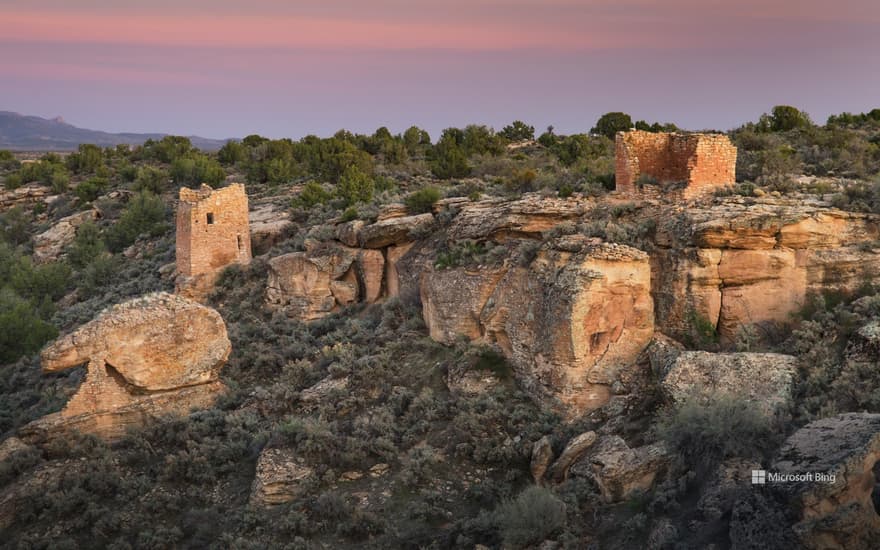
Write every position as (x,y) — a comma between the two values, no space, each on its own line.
(212,229)
(673,165)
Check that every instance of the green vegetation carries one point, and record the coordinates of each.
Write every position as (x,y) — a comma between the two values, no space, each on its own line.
(706,433)
(421,201)
(458,463)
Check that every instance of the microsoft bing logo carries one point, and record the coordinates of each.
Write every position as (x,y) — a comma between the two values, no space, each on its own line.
(759,477)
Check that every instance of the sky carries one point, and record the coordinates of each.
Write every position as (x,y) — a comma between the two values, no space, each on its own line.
(288,68)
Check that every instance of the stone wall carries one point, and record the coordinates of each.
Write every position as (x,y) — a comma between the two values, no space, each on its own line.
(699,163)
(212,229)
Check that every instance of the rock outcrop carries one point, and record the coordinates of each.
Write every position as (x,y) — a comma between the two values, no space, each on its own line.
(50,244)
(841,514)
(280,478)
(620,471)
(268,225)
(160,354)
(763,379)
(742,262)
(569,321)
(310,285)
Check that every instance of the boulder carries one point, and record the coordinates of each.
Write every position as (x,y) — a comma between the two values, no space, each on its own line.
(839,513)
(728,483)
(568,322)
(371,272)
(764,379)
(499,219)
(393,255)
(159,354)
(542,456)
(311,285)
(619,471)
(50,244)
(268,225)
(393,231)
(280,478)
(573,451)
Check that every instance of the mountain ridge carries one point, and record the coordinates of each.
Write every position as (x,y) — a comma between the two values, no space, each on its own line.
(20,132)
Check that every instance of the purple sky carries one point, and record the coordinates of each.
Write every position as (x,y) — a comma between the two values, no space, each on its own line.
(224,68)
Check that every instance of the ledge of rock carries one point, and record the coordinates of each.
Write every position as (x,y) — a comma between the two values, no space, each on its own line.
(154,355)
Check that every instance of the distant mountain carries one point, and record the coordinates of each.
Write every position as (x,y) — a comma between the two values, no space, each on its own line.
(31,133)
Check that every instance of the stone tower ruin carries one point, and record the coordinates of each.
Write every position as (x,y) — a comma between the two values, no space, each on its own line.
(676,165)
(212,229)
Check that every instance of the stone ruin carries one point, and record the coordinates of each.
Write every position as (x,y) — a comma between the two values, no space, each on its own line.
(212,233)
(688,166)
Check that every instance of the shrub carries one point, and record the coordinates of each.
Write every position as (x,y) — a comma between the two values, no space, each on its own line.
(518,131)
(196,169)
(145,214)
(610,123)
(521,180)
(312,194)
(87,245)
(726,427)
(350,214)
(89,190)
(60,180)
(12,181)
(421,201)
(87,159)
(355,186)
(21,330)
(449,160)
(786,117)
(14,226)
(151,179)
(8,160)
(532,517)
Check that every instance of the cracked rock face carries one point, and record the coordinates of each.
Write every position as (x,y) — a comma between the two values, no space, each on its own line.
(743,262)
(822,514)
(568,322)
(153,355)
(764,379)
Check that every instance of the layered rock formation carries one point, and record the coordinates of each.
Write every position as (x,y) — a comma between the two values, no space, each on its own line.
(160,354)
(309,285)
(569,321)
(280,478)
(744,262)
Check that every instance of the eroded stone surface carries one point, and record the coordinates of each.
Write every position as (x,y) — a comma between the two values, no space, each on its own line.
(280,477)
(569,321)
(160,354)
(763,379)
(620,471)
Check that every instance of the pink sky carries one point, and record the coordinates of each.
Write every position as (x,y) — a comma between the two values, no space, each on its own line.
(227,68)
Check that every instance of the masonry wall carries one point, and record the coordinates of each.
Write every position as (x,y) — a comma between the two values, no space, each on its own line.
(701,163)
(212,229)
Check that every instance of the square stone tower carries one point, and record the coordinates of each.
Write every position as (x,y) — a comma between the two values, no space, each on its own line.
(698,163)
(212,229)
